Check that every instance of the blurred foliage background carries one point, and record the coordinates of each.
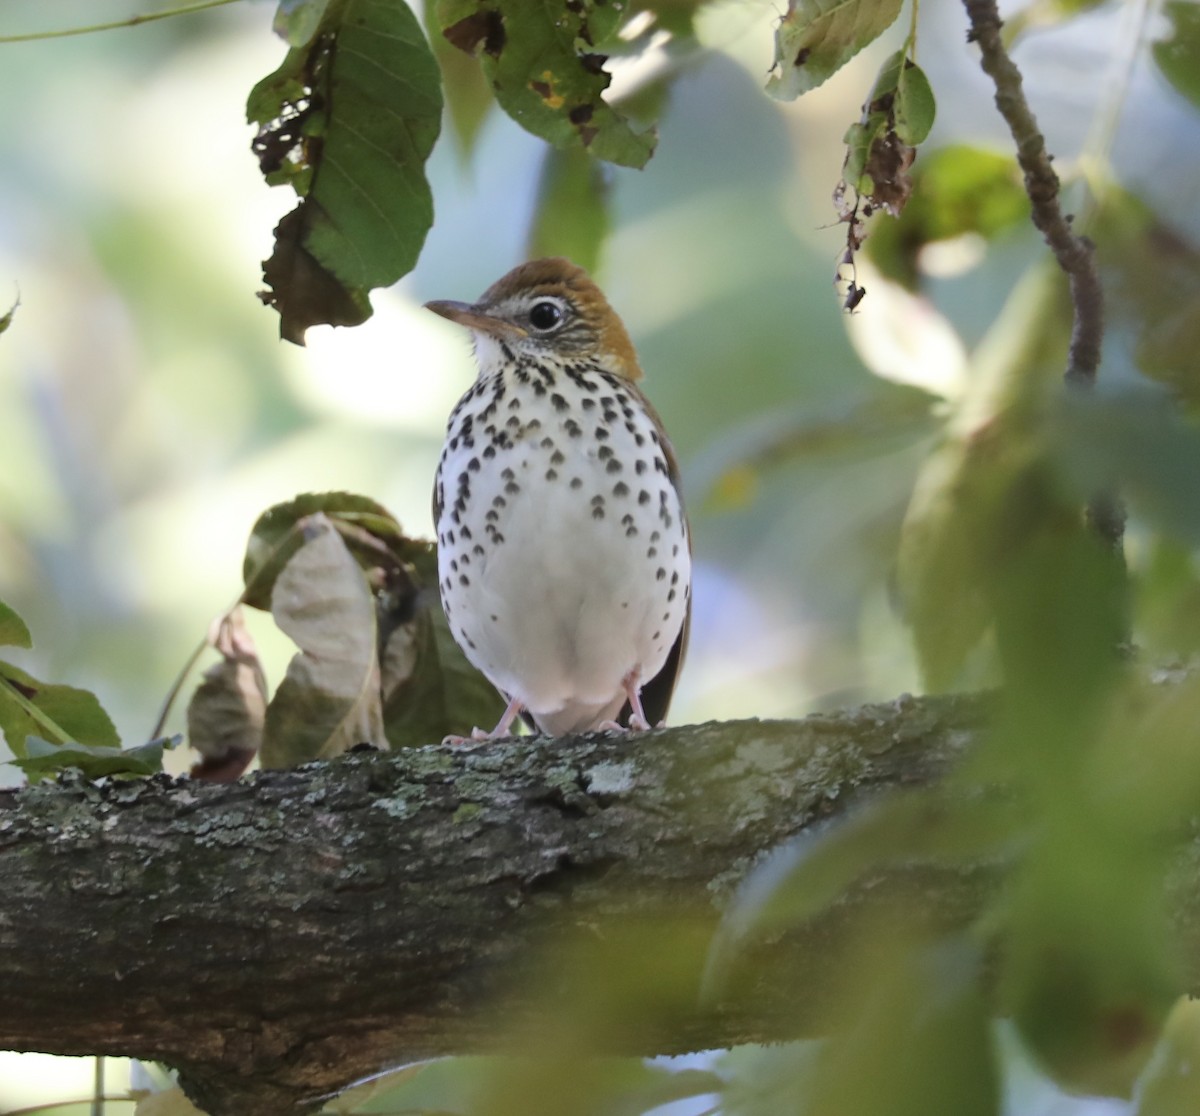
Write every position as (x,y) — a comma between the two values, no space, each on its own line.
(149,413)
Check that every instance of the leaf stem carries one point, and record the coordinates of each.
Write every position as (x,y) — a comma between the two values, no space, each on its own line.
(130,21)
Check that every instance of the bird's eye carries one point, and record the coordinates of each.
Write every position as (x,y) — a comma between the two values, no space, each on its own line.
(544,316)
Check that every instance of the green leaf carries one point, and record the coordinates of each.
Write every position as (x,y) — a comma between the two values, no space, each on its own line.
(467,91)
(275,536)
(43,758)
(813,873)
(816,38)
(330,698)
(296,21)
(62,713)
(987,485)
(348,120)
(915,106)
(13,630)
(1178,57)
(572,208)
(918,1040)
(543,63)
(430,689)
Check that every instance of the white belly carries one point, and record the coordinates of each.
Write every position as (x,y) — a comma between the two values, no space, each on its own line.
(573,569)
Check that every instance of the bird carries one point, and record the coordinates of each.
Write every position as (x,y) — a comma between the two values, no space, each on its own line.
(564,551)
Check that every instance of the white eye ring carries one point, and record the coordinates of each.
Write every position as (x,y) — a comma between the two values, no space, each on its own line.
(546,315)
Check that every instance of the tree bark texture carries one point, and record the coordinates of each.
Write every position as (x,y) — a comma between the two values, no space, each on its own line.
(279,937)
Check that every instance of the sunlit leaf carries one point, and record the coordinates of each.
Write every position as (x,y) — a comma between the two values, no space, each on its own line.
(988,484)
(816,38)
(571,217)
(60,714)
(329,700)
(1178,56)
(915,105)
(13,630)
(44,758)
(348,120)
(546,70)
(226,713)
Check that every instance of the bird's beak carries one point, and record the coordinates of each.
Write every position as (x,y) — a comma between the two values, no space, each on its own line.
(471,316)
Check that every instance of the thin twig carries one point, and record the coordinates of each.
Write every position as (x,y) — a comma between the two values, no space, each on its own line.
(130,21)
(1073,253)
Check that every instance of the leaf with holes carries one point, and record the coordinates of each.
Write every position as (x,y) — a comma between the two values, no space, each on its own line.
(348,121)
(547,72)
(816,38)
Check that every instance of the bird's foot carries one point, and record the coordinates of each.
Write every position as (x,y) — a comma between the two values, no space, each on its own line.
(477,736)
(502,729)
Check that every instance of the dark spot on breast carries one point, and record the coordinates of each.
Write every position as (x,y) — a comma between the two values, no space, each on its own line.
(464,580)
(620,489)
(576,482)
(660,574)
(630,531)
(512,488)
(514,404)
(614,466)
(602,433)
(465,531)
(652,552)
(473,464)
(573,428)
(560,404)
(671,595)
(547,442)
(597,513)
(597,501)
(587,402)
(489,452)
(643,497)
(551,474)
(556,458)
(640,467)
(604,452)
(611,416)
(499,502)
(477,550)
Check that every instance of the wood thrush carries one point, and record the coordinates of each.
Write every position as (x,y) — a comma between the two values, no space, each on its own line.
(563,552)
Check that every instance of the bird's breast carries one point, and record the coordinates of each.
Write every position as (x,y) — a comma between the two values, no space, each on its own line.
(562,544)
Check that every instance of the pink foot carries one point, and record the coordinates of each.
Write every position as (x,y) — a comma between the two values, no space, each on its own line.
(637,715)
(478,735)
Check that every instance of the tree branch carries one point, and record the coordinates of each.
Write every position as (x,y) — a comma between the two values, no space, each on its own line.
(283,936)
(1105,512)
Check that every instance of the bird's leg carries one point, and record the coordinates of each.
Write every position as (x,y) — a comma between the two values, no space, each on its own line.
(502,727)
(631,684)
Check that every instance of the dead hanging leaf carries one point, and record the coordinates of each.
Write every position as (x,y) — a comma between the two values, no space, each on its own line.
(348,120)
(226,714)
(880,149)
(330,699)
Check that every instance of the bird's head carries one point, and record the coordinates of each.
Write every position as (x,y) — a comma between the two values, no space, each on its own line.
(551,310)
